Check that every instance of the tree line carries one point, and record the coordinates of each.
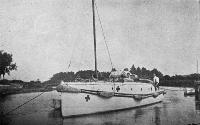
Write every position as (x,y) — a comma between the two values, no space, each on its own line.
(145,73)
(141,72)
(104,76)
(7,65)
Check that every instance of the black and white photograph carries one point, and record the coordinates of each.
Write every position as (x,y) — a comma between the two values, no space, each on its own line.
(99,62)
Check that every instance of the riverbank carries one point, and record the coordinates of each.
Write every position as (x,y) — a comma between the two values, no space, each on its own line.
(8,87)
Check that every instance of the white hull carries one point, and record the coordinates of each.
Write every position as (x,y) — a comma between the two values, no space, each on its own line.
(73,104)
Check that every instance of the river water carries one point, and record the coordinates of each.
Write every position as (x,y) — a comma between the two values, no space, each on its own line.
(174,110)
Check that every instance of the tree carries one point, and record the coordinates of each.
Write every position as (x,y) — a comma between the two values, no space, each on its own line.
(157,73)
(63,76)
(133,69)
(6,63)
(113,70)
(145,73)
(86,74)
(166,77)
(138,71)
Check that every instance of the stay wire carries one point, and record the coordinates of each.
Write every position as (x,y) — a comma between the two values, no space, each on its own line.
(24,103)
(70,61)
(103,35)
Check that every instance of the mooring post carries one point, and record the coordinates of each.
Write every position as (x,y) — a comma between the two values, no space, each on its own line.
(197,90)
(1,117)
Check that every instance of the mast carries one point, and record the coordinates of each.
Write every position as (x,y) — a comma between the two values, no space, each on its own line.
(94,34)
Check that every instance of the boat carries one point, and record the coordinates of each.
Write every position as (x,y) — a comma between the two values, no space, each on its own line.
(189,91)
(124,91)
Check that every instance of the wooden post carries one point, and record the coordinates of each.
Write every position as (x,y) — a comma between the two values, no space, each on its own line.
(197,90)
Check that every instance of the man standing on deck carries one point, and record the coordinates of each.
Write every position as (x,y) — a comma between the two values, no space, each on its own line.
(156,81)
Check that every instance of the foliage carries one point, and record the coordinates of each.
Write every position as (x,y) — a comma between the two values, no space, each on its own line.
(145,73)
(71,76)
(179,80)
(32,84)
(104,76)
(6,63)
(87,74)
(4,82)
(176,80)
(63,76)
(113,69)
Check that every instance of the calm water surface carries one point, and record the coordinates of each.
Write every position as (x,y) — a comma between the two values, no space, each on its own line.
(174,110)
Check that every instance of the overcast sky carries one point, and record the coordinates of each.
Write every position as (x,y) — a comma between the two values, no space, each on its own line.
(43,35)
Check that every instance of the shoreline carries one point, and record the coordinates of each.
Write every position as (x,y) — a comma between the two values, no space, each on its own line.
(8,88)
(24,90)
(43,89)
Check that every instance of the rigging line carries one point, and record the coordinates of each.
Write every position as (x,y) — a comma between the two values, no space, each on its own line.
(70,61)
(103,35)
(82,62)
(24,103)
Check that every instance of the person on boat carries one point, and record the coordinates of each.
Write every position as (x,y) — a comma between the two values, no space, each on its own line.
(94,77)
(156,81)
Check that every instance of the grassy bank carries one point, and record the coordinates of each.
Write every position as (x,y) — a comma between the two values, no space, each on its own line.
(10,91)
(8,87)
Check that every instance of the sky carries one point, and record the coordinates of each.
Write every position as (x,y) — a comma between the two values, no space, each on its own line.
(44,35)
